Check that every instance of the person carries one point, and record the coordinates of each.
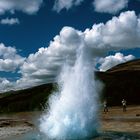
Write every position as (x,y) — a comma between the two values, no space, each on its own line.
(105,107)
(124,105)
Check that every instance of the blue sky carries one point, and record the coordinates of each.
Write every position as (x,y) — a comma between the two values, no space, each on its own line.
(35,31)
(27,26)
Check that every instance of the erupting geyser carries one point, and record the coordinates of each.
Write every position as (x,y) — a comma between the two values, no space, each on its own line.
(72,112)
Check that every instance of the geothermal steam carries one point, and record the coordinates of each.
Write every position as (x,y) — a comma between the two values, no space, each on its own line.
(73,110)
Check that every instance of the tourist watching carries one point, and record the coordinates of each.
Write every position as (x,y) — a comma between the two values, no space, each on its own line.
(105,107)
(124,105)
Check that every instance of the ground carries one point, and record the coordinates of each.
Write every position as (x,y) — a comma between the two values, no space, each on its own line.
(116,120)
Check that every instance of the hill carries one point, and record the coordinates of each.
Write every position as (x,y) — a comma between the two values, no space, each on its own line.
(121,81)
(133,65)
(26,100)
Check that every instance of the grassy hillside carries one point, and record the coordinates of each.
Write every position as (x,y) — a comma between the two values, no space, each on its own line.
(122,81)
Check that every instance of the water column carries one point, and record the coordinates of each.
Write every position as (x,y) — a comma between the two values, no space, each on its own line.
(73,110)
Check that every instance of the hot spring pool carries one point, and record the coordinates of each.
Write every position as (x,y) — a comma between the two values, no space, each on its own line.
(103,136)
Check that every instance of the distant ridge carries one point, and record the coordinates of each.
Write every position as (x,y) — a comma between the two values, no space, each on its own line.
(26,100)
(127,66)
(121,81)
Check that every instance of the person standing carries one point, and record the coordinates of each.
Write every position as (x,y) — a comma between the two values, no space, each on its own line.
(105,107)
(124,105)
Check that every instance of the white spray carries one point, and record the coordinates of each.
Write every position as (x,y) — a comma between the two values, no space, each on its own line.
(74,109)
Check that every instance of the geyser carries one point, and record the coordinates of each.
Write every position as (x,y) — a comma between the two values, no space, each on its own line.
(73,110)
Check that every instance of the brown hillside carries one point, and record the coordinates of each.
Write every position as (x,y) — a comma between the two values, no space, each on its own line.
(133,65)
(121,81)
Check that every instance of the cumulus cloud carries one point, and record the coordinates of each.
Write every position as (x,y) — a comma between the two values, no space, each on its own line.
(10,21)
(65,4)
(5,85)
(109,6)
(44,65)
(26,6)
(113,60)
(121,32)
(9,59)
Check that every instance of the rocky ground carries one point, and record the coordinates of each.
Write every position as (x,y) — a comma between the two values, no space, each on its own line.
(16,124)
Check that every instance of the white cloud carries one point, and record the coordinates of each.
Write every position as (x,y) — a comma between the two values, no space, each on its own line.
(44,65)
(26,6)
(121,32)
(5,85)
(113,60)
(9,59)
(65,4)
(109,6)
(10,21)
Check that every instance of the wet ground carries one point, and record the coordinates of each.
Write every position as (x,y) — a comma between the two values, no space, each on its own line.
(115,125)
